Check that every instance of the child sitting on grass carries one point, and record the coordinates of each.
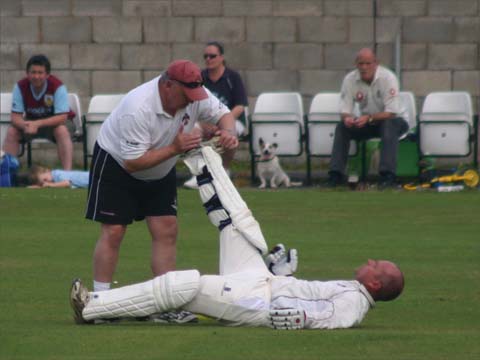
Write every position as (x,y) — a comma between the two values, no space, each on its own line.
(42,177)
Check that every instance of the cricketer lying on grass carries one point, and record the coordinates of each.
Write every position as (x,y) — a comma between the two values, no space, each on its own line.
(246,292)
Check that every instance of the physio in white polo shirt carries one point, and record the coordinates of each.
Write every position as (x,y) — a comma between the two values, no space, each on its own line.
(375,90)
(133,166)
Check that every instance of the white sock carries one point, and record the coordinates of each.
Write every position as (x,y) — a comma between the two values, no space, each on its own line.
(100,286)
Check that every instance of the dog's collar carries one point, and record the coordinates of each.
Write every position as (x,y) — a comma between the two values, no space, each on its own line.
(268,160)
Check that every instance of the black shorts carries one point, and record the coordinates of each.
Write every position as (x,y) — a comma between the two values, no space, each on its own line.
(116,197)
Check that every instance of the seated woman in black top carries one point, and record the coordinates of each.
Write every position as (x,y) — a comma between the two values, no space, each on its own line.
(227,85)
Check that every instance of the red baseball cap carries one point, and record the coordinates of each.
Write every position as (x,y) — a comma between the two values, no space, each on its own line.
(189,76)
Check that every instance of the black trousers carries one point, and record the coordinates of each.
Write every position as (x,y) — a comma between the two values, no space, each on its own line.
(388,131)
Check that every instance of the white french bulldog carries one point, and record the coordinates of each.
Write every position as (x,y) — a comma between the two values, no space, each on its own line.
(269,168)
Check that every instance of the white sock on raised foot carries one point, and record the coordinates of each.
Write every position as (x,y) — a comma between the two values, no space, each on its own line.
(100,286)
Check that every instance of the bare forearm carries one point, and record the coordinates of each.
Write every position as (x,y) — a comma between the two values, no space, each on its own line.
(227,122)
(237,111)
(59,184)
(376,116)
(150,159)
(52,121)
(18,121)
(380,116)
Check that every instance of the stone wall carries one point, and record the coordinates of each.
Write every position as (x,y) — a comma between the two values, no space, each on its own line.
(110,46)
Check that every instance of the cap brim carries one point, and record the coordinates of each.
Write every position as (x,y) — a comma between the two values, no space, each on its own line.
(196,94)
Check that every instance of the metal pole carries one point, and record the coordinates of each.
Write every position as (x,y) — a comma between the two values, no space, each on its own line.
(375,26)
(398,57)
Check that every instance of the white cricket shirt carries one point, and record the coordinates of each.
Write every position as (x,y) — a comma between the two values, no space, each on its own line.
(327,304)
(139,124)
(382,95)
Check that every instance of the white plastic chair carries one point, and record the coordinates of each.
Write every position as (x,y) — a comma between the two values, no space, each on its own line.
(5,111)
(99,108)
(74,103)
(408,100)
(322,119)
(446,124)
(277,118)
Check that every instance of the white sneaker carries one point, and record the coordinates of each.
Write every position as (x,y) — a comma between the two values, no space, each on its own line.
(353,178)
(79,298)
(191,183)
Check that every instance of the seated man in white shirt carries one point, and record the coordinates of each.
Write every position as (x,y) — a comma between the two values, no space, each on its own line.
(247,291)
(375,90)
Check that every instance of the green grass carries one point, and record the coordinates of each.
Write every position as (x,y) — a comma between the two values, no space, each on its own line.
(45,242)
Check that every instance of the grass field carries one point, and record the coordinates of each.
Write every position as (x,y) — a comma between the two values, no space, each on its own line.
(435,238)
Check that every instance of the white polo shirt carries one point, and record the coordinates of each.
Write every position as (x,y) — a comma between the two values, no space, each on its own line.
(139,124)
(382,95)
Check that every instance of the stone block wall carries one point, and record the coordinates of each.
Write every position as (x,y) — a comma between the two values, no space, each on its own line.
(110,46)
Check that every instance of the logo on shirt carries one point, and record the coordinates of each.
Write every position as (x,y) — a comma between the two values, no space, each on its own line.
(392,92)
(225,288)
(132,143)
(185,119)
(48,100)
(359,96)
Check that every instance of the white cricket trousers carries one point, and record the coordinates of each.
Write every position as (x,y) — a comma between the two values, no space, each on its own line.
(241,294)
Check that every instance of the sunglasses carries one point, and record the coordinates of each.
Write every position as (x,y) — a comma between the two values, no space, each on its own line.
(209,56)
(190,85)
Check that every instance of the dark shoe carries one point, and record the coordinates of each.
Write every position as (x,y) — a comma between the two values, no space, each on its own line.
(387,181)
(334,179)
(174,317)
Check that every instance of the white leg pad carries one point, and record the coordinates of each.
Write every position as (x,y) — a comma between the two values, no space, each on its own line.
(216,214)
(175,289)
(207,191)
(128,301)
(165,292)
(242,218)
(246,224)
(195,163)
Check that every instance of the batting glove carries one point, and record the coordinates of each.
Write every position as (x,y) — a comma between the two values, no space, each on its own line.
(282,262)
(287,319)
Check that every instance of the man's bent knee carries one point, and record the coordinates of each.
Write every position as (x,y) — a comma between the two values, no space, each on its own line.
(175,289)
(113,234)
(169,225)
(14,134)
(61,132)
